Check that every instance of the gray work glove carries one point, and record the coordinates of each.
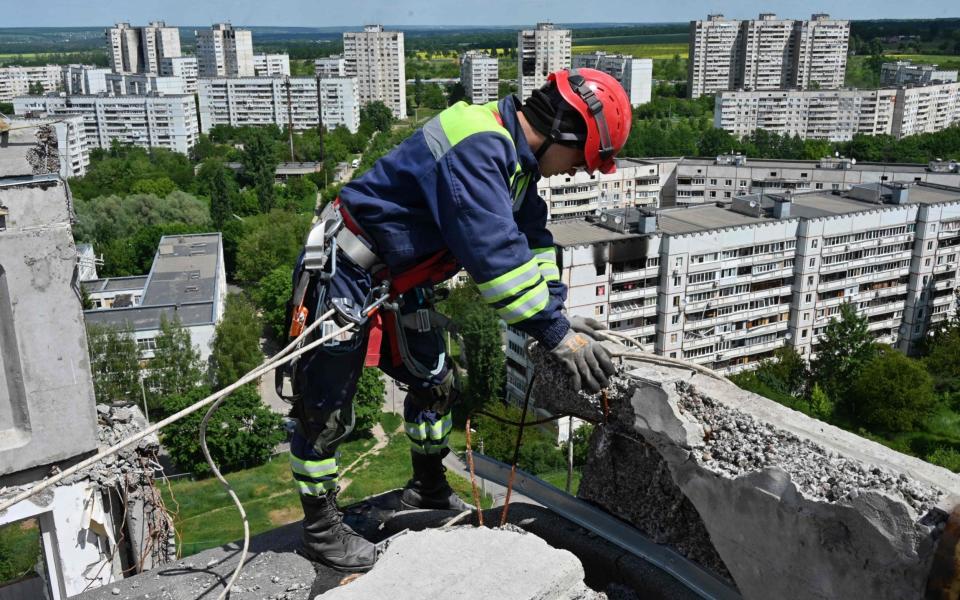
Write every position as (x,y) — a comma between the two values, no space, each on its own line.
(585,359)
(587,325)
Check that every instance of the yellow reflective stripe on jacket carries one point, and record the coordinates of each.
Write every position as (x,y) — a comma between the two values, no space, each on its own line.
(511,283)
(547,262)
(526,305)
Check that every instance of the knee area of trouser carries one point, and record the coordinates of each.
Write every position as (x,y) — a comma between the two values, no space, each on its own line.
(439,397)
(324,429)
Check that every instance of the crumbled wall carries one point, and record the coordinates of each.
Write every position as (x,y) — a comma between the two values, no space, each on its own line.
(784,505)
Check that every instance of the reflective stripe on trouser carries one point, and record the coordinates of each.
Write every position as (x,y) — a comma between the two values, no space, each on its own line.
(315,477)
(429,433)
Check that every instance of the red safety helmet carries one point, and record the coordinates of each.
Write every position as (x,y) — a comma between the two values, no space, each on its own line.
(605,108)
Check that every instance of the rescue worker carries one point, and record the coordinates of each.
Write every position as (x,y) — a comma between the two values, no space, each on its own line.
(460,192)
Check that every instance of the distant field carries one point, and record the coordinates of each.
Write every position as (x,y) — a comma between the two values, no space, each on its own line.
(621,40)
(659,51)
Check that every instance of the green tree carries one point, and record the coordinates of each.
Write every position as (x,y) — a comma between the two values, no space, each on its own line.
(820,404)
(376,116)
(368,401)
(941,351)
(455,93)
(270,241)
(158,186)
(236,343)
(114,363)
(844,350)
(581,443)
(259,166)
(242,433)
(539,452)
(433,97)
(36,89)
(893,393)
(480,331)
(787,371)
(175,368)
(272,294)
(216,181)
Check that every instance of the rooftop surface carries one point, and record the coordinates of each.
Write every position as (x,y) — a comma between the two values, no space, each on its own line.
(813,164)
(183,282)
(575,232)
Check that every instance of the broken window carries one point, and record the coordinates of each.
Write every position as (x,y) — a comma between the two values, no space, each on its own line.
(3,217)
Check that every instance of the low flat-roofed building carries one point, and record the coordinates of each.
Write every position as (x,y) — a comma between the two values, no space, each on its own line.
(187,281)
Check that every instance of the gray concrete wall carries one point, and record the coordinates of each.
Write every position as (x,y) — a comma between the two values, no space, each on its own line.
(782,504)
(47,409)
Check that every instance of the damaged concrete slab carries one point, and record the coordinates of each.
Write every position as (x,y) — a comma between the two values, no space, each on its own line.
(782,504)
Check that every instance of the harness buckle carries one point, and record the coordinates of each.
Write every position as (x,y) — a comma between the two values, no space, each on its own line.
(423,320)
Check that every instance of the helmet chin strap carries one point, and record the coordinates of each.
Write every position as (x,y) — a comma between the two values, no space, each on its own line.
(556,135)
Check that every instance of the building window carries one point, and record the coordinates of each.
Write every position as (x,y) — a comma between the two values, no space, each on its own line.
(676,300)
(809,298)
(675,319)
(929,245)
(728,182)
(601,290)
(676,280)
(678,262)
(810,280)
(813,262)
(673,338)
(598,310)
(803,333)
(814,243)
(926,262)
(806,316)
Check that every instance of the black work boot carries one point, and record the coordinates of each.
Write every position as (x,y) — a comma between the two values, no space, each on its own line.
(429,487)
(329,541)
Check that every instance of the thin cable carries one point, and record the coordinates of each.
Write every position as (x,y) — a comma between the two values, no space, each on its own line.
(473,476)
(265,367)
(516,450)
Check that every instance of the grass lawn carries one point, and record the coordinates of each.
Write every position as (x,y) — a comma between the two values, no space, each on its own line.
(558,479)
(637,50)
(940,59)
(19,550)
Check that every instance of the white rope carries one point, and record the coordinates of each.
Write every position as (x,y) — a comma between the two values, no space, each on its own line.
(656,359)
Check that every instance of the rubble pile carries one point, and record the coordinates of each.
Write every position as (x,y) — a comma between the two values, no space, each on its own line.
(44,158)
(736,443)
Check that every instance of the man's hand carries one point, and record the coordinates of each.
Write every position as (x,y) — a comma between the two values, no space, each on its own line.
(587,326)
(585,359)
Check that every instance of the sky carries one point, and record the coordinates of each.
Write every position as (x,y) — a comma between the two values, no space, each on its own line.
(326,13)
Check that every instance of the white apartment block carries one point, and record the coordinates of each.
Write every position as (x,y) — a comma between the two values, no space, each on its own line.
(634,74)
(339,103)
(838,115)
(693,181)
(766,54)
(904,72)
(726,287)
(541,51)
(84,79)
(142,84)
(184,67)
(223,51)
(480,77)
(16,81)
(140,49)
(72,147)
(330,66)
(241,101)
(147,121)
(271,65)
(635,183)
(376,58)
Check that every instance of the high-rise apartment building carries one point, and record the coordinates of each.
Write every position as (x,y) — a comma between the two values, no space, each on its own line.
(540,52)
(223,51)
(147,121)
(184,67)
(339,104)
(838,115)
(376,58)
(480,76)
(767,54)
(904,72)
(140,49)
(17,81)
(141,84)
(84,79)
(330,66)
(634,74)
(271,65)
(726,286)
(240,101)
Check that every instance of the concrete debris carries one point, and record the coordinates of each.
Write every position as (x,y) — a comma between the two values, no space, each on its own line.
(736,444)
(477,563)
(784,505)
(44,158)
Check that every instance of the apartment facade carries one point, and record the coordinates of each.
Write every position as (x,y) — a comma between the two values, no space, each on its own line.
(142,84)
(766,54)
(147,121)
(84,79)
(634,74)
(16,81)
(376,58)
(339,103)
(330,66)
(541,51)
(721,179)
(224,51)
(240,101)
(480,77)
(184,67)
(725,287)
(140,49)
(838,115)
(904,72)
(271,65)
